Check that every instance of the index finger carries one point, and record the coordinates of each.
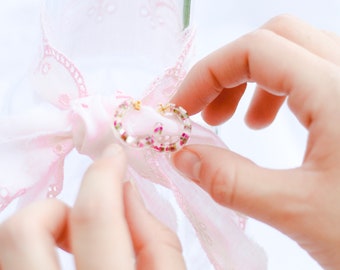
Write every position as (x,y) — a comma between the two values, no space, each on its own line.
(99,233)
(275,64)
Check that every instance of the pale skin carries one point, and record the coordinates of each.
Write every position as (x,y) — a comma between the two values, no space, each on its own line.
(288,59)
(108,227)
(291,60)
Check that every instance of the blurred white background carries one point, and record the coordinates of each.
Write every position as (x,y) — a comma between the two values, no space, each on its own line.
(218,22)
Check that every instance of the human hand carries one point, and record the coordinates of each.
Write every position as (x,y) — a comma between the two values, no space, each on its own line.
(287,59)
(108,227)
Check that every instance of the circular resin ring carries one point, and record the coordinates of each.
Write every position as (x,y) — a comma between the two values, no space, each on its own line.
(156,139)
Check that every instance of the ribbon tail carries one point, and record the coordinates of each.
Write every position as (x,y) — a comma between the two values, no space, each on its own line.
(156,200)
(50,183)
(219,230)
(32,150)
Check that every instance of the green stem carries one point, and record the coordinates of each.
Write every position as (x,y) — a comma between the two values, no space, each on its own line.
(186,13)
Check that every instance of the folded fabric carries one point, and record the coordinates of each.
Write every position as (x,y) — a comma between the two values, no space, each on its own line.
(70,113)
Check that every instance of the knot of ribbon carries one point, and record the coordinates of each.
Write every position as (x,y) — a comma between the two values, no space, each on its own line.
(34,145)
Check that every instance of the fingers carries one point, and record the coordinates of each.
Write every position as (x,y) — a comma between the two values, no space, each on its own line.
(325,45)
(28,239)
(157,247)
(258,57)
(278,65)
(332,35)
(100,235)
(263,108)
(273,196)
(224,105)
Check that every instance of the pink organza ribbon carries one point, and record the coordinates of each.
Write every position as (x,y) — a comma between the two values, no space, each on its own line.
(34,145)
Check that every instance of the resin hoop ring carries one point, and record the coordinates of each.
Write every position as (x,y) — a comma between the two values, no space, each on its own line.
(156,140)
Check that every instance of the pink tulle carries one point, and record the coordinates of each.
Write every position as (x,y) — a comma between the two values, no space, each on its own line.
(74,108)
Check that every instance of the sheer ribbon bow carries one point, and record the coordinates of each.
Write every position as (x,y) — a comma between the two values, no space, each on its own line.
(35,143)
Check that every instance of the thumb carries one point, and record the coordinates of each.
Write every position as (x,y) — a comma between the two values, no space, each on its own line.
(273,196)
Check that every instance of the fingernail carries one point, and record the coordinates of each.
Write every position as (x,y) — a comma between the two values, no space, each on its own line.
(112,150)
(188,163)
